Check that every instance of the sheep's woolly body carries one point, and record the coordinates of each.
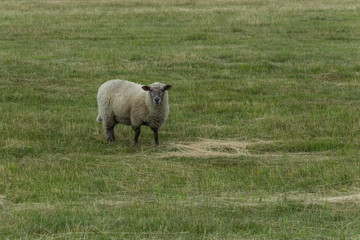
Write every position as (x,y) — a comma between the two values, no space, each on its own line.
(125,102)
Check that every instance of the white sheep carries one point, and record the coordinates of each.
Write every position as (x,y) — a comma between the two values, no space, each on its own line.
(128,103)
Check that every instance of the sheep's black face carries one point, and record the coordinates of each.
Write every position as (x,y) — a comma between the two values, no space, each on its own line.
(157,92)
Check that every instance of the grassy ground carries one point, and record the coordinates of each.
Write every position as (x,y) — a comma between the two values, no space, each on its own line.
(262,140)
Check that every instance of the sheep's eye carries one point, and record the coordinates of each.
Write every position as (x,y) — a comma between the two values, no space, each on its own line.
(150,90)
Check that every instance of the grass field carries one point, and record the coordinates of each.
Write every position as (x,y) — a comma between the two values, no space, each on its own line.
(262,140)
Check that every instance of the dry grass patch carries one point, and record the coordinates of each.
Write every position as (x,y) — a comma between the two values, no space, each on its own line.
(233,148)
(2,200)
(348,84)
(353,198)
(311,198)
(242,200)
(211,148)
(15,143)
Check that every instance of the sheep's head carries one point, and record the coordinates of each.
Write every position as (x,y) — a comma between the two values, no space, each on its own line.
(157,91)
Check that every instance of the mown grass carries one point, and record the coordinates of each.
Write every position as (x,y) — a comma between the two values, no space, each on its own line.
(279,79)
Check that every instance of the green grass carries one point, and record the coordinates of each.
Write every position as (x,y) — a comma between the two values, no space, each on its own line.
(262,141)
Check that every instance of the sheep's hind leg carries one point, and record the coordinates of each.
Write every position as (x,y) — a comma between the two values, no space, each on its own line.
(110,137)
(137,133)
(109,123)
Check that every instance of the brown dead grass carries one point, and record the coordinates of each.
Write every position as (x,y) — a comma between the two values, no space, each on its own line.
(348,84)
(15,143)
(205,148)
(211,148)
(2,200)
(310,198)
(353,198)
(201,200)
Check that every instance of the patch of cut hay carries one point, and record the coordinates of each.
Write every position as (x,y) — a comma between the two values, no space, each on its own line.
(210,148)
(114,203)
(310,198)
(2,200)
(348,84)
(15,143)
(342,199)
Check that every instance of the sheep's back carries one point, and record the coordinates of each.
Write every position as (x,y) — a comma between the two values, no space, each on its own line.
(123,96)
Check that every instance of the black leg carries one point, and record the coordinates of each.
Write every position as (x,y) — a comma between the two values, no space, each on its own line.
(156,136)
(110,134)
(137,133)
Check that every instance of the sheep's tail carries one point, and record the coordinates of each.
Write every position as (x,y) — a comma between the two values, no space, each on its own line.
(99,119)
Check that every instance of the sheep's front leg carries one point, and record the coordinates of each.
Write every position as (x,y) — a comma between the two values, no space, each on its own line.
(156,136)
(137,133)
(110,137)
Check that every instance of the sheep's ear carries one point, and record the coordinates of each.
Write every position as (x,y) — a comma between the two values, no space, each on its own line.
(167,87)
(146,88)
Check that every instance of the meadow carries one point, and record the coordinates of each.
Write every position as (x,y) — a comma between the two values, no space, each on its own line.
(262,140)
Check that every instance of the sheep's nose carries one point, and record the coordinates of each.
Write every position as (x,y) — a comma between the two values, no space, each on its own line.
(157,100)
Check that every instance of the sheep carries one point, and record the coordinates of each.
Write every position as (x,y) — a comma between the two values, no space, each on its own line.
(128,103)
